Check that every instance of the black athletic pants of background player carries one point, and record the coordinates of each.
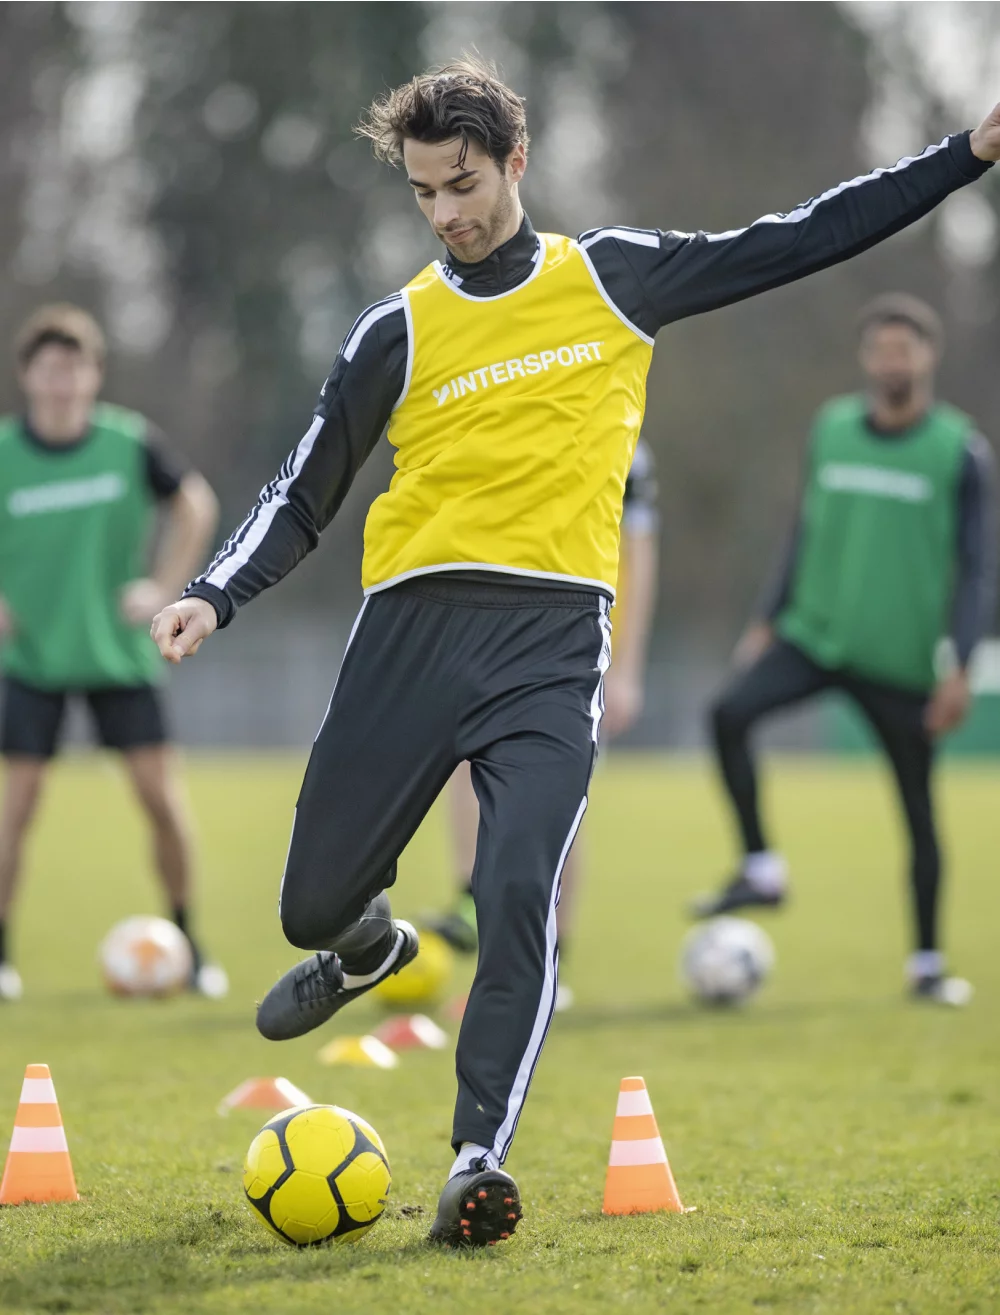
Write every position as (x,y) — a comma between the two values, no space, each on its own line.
(439,671)
(784,675)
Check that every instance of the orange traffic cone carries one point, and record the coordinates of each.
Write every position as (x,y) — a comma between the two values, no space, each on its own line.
(38,1164)
(639,1178)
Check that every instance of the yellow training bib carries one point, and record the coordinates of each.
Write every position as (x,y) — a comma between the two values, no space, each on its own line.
(516,429)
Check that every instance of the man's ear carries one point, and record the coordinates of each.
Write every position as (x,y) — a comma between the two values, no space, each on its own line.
(517,162)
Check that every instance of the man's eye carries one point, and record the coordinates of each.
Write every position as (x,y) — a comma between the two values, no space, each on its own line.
(463,190)
(425,196)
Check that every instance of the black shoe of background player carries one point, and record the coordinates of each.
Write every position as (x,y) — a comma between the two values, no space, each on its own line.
(936,988)
(478,1208)
(740,893)
(457,926)
(313,991)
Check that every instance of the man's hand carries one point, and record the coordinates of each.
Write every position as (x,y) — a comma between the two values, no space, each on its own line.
(753,643)
(6,621)
(180,628)
(985,140)
(949,704)
(141,600)
(623,699)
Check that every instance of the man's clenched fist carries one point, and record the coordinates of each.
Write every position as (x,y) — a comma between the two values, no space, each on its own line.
(179,629)
(985,140)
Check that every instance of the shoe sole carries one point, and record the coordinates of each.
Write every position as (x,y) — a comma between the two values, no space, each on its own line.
(490,1212)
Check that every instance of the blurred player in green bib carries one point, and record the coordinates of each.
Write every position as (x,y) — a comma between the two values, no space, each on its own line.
(893,549)
(80,483)
(624,695)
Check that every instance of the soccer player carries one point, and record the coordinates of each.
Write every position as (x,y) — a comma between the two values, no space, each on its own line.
(80,482)
(893,547)
(624,694)
(512,378)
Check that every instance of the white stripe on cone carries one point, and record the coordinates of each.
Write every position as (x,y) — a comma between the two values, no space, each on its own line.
(634,1102)
(38,1139)
(647,1151)
(38,1091)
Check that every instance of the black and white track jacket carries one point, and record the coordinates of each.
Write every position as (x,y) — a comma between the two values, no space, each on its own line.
(651,276)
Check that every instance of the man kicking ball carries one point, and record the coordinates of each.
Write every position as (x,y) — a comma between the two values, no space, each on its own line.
(512,377)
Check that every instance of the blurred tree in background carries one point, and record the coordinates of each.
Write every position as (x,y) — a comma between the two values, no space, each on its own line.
(188,171)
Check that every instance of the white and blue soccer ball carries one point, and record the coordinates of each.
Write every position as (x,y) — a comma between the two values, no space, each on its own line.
(725,960)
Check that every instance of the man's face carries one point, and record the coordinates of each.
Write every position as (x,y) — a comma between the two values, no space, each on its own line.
(63,377)
(897,361)
(468,203)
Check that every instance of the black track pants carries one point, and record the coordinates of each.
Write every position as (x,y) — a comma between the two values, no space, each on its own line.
(439,671)
(785,675)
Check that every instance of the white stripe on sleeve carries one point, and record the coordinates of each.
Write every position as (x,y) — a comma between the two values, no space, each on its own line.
(640,237)
(265,511)
(365,322)
(803,211)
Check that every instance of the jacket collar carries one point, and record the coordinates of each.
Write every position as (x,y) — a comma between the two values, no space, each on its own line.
(503,269)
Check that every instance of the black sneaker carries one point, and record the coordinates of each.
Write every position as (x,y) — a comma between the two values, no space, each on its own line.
(313,991)
(458,926)
(739,894)
(478,1208)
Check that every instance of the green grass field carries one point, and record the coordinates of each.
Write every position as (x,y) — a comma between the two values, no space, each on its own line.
(840,1143)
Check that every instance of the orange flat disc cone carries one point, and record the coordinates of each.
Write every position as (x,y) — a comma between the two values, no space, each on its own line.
(411,1032)
(273,1094)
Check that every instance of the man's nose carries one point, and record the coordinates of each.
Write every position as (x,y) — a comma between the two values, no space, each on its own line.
(445,211)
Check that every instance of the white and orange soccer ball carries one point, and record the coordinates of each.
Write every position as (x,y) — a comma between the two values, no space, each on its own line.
(145,957)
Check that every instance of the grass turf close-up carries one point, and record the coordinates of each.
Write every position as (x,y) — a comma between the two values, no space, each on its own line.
(840,1143)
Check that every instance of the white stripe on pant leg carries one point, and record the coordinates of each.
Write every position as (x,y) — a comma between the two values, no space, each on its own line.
(515,1101)
(350,641)
(603,663)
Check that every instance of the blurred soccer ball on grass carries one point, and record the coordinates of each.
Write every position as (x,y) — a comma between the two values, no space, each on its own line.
(422,982)
(317,1173)
(145,957)
(726,960)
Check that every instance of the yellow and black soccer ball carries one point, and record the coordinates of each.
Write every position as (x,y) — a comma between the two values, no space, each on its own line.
(317,1173)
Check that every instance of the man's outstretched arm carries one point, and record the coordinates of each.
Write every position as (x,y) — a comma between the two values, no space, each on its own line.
(656,276)
(297,505)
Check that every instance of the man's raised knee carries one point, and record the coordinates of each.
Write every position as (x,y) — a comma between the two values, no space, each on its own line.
(299,926)
(726,718)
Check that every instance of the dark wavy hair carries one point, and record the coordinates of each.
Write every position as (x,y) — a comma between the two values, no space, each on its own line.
(902,308)
(465,100)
